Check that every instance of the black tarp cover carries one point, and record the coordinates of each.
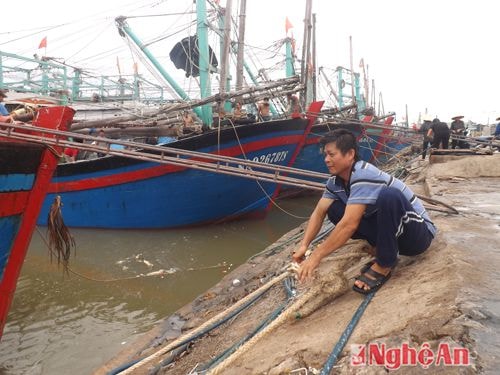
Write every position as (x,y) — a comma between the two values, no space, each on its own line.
(186,53)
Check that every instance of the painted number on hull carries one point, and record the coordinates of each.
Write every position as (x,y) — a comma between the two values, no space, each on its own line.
(275,157)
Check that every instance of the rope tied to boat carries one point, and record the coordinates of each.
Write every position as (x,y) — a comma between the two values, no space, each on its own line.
(61,241)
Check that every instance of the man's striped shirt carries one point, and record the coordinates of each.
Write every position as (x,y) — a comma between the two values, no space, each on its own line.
(364,187)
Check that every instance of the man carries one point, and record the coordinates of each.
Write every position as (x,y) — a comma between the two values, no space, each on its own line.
(364,202)
(103,143)
(3,110)
(457,129)
(264,110)
(441,134)
(294,108)
(496,134)
(424,129)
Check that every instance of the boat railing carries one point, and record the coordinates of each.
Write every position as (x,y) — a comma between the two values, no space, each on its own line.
(171,156)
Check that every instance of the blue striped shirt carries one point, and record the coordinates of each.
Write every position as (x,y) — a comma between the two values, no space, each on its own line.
(364,187)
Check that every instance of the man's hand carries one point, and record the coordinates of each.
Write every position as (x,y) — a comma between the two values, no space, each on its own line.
(299,255)
(307,268)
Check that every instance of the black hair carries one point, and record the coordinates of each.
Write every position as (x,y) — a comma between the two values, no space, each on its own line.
(344,140)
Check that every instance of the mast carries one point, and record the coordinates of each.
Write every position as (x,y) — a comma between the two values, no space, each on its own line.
(241,45)
(204,61)
(306,53)
(353,96)
(314,58)
(224,80)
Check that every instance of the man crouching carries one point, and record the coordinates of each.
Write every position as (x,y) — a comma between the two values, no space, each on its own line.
(364,203)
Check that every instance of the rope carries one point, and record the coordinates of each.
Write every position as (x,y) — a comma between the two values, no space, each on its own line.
(210,324)
(331,287)
(291,293)
(337,350)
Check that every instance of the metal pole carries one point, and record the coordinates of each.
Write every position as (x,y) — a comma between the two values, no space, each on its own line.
(241,45)
(224,83)
(204,60)
(314,58)
(353,96)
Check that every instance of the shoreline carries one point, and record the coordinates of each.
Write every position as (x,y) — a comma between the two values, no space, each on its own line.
(425,301)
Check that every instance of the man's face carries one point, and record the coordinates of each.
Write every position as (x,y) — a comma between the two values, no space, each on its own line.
(337,163)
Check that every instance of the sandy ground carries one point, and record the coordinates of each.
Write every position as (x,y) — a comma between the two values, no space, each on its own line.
(422,302)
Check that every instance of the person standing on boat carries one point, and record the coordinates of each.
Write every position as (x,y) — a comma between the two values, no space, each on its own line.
(237,111)
(3,110)
(457,129)
(364,203)
(294,108)
(441,134)
(101,134)
(264,110)
(424,129)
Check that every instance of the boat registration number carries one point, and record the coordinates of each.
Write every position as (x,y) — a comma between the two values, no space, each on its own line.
(274,157)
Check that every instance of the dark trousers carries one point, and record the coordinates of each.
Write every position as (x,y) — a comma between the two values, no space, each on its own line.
(425,146)
(441,138)
(393,227)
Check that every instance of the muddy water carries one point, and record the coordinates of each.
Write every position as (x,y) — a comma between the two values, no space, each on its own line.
(72,325)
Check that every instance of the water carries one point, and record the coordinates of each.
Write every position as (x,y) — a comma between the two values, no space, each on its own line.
(73,325)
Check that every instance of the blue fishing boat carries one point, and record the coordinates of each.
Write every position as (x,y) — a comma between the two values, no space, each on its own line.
(376,143)
(25,172)
(116,192)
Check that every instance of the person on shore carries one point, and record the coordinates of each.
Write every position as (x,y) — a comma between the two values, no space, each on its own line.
(496,134)
(457,129)
(264,110)
(364,203)
(294,108)
(424,129)
(441,134)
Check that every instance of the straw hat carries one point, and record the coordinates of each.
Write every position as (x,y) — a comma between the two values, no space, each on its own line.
(457,117)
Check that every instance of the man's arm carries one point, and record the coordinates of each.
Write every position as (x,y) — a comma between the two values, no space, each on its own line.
(342,232)
(313,227)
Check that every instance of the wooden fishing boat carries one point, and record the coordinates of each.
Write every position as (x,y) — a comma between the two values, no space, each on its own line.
(25,172)
(116,192)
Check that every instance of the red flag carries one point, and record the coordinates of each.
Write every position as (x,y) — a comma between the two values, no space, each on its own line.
(288,25)
(43,43)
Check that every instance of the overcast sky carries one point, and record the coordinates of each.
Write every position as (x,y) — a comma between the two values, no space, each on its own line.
(436,55)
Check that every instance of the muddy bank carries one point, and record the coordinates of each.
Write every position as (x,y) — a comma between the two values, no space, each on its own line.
(427,300)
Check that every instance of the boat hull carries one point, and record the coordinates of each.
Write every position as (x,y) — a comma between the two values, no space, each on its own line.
(25,173)
(115,192)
